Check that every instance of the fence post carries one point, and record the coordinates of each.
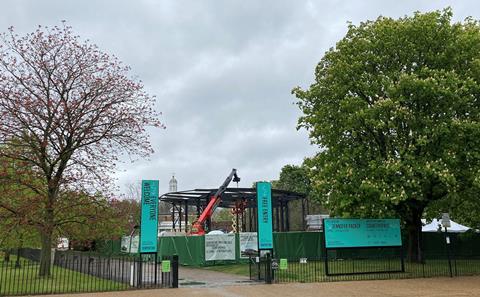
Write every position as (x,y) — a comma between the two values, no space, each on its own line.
(268,269)
(156,268)
(175,271)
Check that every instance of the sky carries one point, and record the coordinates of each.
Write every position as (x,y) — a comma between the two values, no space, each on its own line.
(222,72)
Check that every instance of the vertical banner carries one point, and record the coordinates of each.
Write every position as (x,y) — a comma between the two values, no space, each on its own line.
(149,217)
(264,215)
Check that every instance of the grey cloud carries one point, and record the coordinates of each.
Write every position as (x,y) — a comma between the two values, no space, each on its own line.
(222,72)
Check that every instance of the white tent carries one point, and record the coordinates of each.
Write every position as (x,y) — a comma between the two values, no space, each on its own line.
(435,226)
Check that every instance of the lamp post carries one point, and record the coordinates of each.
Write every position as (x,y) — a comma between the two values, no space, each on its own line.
(445,224)
(131,236)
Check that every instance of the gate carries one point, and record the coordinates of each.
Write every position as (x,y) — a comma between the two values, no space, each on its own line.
(260,268)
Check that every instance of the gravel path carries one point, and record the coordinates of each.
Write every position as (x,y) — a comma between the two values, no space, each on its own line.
(430,287)
(192,277)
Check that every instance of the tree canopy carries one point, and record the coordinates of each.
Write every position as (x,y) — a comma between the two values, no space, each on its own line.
(395,112)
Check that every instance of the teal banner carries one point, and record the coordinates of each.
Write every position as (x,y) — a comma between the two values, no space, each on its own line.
(341,233)
(149,217)
(264,215)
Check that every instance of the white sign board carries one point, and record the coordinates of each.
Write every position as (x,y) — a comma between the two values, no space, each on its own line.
(248,244)
(130,247)
(62,244)
(219,247)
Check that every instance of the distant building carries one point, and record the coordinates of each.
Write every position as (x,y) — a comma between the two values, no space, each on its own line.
(172,184)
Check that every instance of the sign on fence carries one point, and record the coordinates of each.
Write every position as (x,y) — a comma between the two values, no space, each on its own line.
(264,207)
(341,233)
(149,218)
(283,264)
(166,266)
(130,244)
(219,247)
(248,244)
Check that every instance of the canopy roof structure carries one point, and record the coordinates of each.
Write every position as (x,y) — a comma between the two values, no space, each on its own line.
(436,226)
(246,198)
(229,197)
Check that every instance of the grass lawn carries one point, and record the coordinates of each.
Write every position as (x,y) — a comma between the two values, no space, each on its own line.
(314,271)
(25,280)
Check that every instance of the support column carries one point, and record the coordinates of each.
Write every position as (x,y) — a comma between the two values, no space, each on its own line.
(250,227)
(244,221)
(186,215)
(287,219)
(255,220)
(282,222)
(304,227)
(173,216)
(198,208)
(277,219)
(180,217)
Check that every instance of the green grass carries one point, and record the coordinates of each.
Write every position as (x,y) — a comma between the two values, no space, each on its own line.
(25,280)
(314,271)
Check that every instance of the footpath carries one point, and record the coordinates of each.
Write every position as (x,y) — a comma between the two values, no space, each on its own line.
(425,287)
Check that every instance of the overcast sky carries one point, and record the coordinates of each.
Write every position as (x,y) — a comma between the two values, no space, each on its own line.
(222,72)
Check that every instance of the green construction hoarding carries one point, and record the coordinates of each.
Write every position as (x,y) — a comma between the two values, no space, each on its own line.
(149,217)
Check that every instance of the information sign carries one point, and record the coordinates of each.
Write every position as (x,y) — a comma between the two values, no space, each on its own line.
(264,208)
(274,264)
(129,244)
(283,264)
(343,233)
(248,244)
(219,247)
(149,217)
(166,266)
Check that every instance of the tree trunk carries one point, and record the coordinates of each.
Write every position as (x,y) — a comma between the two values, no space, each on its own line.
(46,253)
(46,233)
(414,229)
(6,255)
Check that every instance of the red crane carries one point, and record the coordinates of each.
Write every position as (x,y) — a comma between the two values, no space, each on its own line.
(198,225)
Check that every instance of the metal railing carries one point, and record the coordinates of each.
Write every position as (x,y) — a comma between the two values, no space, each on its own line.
(373,268)
(76,272)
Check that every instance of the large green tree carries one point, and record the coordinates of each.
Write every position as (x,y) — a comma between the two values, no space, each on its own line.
(395,111)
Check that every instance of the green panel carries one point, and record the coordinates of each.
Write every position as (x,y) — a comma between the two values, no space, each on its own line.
(264,207)
(294,245)
(341,233)
(149,217)
(190,249)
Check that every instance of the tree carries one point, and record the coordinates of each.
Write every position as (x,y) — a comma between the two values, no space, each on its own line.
(395,110)
(69,111)
(296,179)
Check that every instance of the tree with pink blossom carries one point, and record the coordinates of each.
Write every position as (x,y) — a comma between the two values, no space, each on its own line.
(68,111)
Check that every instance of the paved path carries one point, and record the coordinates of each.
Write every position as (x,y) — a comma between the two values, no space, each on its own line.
(430,287)
(192,277)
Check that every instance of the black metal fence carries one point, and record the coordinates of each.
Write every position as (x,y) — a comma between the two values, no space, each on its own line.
(75,272)
(363,268)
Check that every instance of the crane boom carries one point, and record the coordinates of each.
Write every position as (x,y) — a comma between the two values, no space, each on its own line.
(197,227)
